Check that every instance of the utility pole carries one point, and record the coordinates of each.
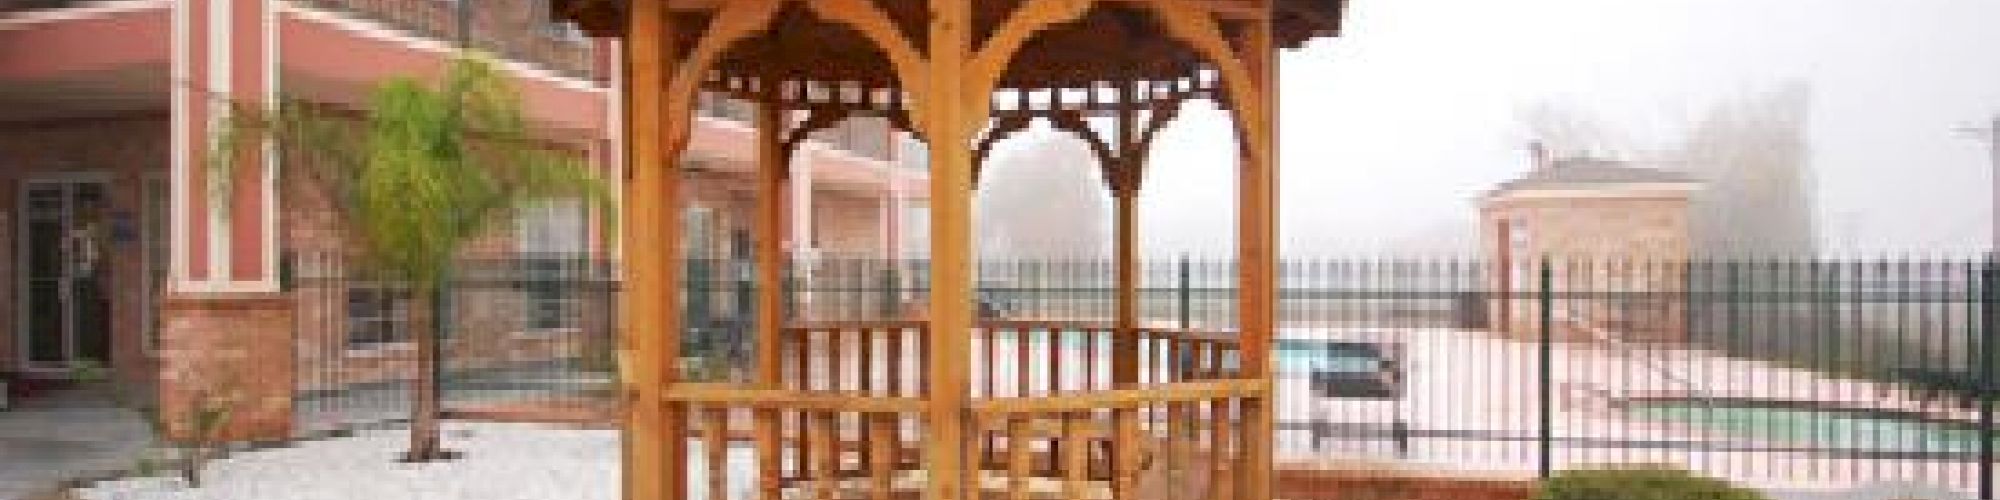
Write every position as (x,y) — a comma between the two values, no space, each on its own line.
(1989,352)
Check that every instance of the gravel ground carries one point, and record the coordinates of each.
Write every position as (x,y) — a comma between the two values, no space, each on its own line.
(501,462)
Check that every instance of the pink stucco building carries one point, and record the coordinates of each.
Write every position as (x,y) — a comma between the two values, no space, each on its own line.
(120,256)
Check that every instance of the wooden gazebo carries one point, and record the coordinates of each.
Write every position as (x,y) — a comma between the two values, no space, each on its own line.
(947,407)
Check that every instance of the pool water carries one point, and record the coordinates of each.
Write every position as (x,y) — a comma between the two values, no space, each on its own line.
(1303,357)
(1815,427)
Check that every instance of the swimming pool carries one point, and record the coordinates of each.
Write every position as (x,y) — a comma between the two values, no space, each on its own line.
(1303,357)
(1806,425)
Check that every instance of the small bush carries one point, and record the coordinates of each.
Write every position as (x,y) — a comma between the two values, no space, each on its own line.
(1639,483)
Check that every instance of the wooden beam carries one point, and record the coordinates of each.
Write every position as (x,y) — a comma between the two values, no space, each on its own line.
(1126,398)
(739,396)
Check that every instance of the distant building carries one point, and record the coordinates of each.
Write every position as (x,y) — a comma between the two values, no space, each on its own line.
(1605,226)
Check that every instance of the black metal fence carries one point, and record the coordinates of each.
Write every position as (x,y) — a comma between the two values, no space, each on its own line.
(518,334)
(1774,372)
(1778,373)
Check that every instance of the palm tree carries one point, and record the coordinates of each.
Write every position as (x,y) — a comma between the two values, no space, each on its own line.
(414,178)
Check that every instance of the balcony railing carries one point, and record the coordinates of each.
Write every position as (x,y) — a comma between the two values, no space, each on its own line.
(12,6)
(517,30)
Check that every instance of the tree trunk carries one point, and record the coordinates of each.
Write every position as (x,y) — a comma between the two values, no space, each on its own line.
(424,427)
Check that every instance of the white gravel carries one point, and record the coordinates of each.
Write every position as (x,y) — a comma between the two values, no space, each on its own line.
(501,462)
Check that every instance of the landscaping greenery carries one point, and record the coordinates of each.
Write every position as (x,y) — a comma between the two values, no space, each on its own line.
(415,177)
(1639,482)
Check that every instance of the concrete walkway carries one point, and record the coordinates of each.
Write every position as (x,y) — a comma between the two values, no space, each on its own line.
(65,435)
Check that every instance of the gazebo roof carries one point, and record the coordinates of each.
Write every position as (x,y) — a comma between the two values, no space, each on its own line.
(1117,43)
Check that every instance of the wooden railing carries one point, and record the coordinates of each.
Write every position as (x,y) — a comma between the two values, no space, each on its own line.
(847,419)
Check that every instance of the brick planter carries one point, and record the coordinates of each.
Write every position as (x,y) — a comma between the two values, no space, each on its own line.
(1375,482)
(235,344)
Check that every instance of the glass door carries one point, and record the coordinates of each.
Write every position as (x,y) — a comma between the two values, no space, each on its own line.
(63,287)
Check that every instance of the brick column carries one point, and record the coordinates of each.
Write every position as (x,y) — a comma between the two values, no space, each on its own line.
(226,333)
(229,351)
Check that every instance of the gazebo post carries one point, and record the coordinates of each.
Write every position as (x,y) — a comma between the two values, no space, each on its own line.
(948,128)
(1258,252)
(655,429)
(773,182)
(1126,345)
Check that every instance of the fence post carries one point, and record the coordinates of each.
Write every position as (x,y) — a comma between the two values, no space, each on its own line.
(1989,284)
(1545,438)
(1184,294)
(891,290)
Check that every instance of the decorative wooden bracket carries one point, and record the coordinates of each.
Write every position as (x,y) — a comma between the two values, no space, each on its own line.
(818,118)
(1002,129)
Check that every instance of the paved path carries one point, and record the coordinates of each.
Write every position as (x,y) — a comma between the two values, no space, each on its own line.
(64,435)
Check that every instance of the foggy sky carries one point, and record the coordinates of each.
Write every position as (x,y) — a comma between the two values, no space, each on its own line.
(1388,134)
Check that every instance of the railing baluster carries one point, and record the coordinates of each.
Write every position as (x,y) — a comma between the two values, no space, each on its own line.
(1125,447)
(882,446)
(1017,457)
(825,455)
(1055,359)
(1090,338)
(924,358)
(801,349)
(1075,456)
(984,338)
(770,446)
(1022,369)
(715,446)
(1220,486)
(1180,443)
(895,356)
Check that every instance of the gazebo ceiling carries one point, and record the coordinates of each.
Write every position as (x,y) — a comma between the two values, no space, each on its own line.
(1117,44)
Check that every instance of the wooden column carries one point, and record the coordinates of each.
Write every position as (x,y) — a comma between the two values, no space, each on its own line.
(772,188)
(948,123)
(1125,349)
(650,340)
(1258,251)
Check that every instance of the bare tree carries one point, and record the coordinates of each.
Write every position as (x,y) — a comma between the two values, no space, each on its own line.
(1569,132)
(1758,193)
(1043,201)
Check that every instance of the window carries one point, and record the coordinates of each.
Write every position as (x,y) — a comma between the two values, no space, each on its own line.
(377,315)
(550,242)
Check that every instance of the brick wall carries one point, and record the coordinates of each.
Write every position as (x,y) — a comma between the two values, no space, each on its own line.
(227,351)
(848,224)
(1597,244)
(1324,484)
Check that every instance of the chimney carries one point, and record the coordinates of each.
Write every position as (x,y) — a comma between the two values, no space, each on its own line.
(1540,154)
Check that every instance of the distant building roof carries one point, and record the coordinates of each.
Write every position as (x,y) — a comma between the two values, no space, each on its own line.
(1587,174)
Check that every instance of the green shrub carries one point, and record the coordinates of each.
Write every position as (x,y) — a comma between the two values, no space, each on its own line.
(1646,482)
